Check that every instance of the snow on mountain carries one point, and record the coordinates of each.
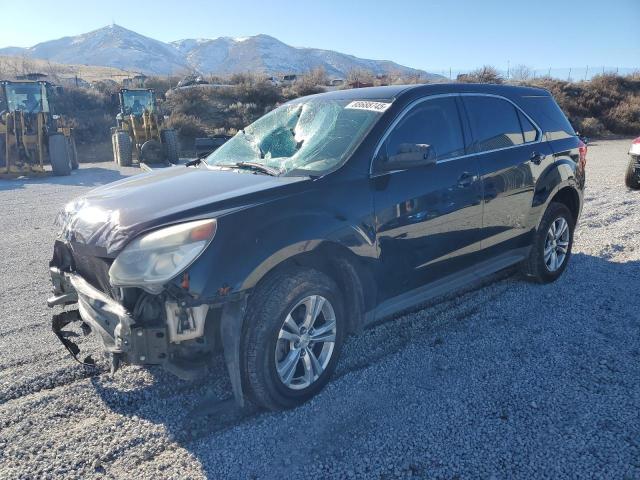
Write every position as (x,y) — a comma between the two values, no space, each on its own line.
(111,46)
(116,46)
(265,54)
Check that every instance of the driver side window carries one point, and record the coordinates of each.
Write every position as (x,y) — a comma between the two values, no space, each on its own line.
(433,123)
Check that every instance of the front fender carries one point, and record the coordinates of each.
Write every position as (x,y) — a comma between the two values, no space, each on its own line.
(251,242)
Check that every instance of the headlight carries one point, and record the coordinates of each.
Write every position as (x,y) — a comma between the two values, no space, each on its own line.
(151,260)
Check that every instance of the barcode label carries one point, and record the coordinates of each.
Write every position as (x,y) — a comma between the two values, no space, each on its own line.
(365,105)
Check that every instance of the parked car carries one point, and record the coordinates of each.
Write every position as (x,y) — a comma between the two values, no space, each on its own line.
(632,177)
(327,214)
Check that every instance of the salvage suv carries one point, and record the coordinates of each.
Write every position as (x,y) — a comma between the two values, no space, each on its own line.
(327,214)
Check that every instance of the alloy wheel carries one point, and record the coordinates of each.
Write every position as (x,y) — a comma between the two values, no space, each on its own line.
(556,245)
(305,342)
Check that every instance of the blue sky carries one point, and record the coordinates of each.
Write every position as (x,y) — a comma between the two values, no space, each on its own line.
(432,35)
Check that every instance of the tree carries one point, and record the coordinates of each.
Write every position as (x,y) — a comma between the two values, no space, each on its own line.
(485,74)
(521,73)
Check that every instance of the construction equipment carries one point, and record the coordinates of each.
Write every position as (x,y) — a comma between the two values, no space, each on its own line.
(140,129)
(31,133)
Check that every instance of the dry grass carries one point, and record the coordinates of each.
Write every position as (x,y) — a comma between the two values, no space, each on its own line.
(59,73)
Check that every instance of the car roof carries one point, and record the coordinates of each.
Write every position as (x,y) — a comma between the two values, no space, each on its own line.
(394,92)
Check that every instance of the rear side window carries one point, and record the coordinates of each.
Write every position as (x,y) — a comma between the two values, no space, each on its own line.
(496,124)
(433,122)
(547,114)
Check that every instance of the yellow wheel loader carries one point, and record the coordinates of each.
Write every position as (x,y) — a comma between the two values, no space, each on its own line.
(31,134)
(139,130)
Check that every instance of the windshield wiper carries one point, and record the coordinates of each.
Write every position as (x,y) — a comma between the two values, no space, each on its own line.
(255,166)
(259,167)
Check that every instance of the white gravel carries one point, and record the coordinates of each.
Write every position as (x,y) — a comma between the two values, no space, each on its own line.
(510,380)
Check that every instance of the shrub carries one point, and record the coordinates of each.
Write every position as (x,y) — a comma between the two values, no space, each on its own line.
(485,74)
(188,127)
(161,84)
(308,84)
(591,127)
(88,111)
(625,116)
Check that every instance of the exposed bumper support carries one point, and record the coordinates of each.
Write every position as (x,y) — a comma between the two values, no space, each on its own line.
(108,318)
(136,344)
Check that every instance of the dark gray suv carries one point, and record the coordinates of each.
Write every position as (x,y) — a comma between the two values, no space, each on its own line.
(327,214)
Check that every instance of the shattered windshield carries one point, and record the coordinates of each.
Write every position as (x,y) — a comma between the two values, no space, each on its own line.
(136,102)
(305,138)
(26,97)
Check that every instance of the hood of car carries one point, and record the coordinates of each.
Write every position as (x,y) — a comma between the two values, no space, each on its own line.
(108,217)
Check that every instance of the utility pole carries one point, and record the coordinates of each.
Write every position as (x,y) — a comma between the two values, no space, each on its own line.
(449,73)
(586,73)
(569,77)
(508,68)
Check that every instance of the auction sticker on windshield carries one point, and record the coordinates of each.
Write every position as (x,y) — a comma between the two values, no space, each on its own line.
(366,105)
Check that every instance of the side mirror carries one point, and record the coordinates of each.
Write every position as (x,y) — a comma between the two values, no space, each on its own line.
(411,155)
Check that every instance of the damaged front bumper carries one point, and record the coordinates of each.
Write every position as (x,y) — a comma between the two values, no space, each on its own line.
(128,341)
(116,327)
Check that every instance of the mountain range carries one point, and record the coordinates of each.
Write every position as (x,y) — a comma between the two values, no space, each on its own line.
(116,46)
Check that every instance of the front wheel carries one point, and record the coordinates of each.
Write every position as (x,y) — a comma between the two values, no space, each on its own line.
(632,177)
(552,244)
(294,330)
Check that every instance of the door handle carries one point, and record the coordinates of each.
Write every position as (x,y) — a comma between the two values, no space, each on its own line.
(466,179)
(537,158)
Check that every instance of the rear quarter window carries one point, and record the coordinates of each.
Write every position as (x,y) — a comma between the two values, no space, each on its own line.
(544,110)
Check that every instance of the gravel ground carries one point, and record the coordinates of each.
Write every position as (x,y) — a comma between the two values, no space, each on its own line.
(507,380)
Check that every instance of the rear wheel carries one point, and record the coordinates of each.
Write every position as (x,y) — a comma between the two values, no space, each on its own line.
(169,139)
(123,150)
(632,178)
(294,330)
(552,244)
(59,155)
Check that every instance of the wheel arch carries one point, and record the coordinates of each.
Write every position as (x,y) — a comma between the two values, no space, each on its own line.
(568,196)
(559,184)
(337,262)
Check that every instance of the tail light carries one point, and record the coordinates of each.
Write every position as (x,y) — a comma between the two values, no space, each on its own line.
(582,148)
(635,147)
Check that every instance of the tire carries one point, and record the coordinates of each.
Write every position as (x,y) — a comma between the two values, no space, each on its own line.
(632,178)
(116,160)
(169,139)
(59,155)
(123,149)
(151,152)
(3,147)
(271,303)
(73,152)
(537,267)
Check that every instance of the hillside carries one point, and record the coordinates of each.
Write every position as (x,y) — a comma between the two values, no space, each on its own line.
(57,72)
